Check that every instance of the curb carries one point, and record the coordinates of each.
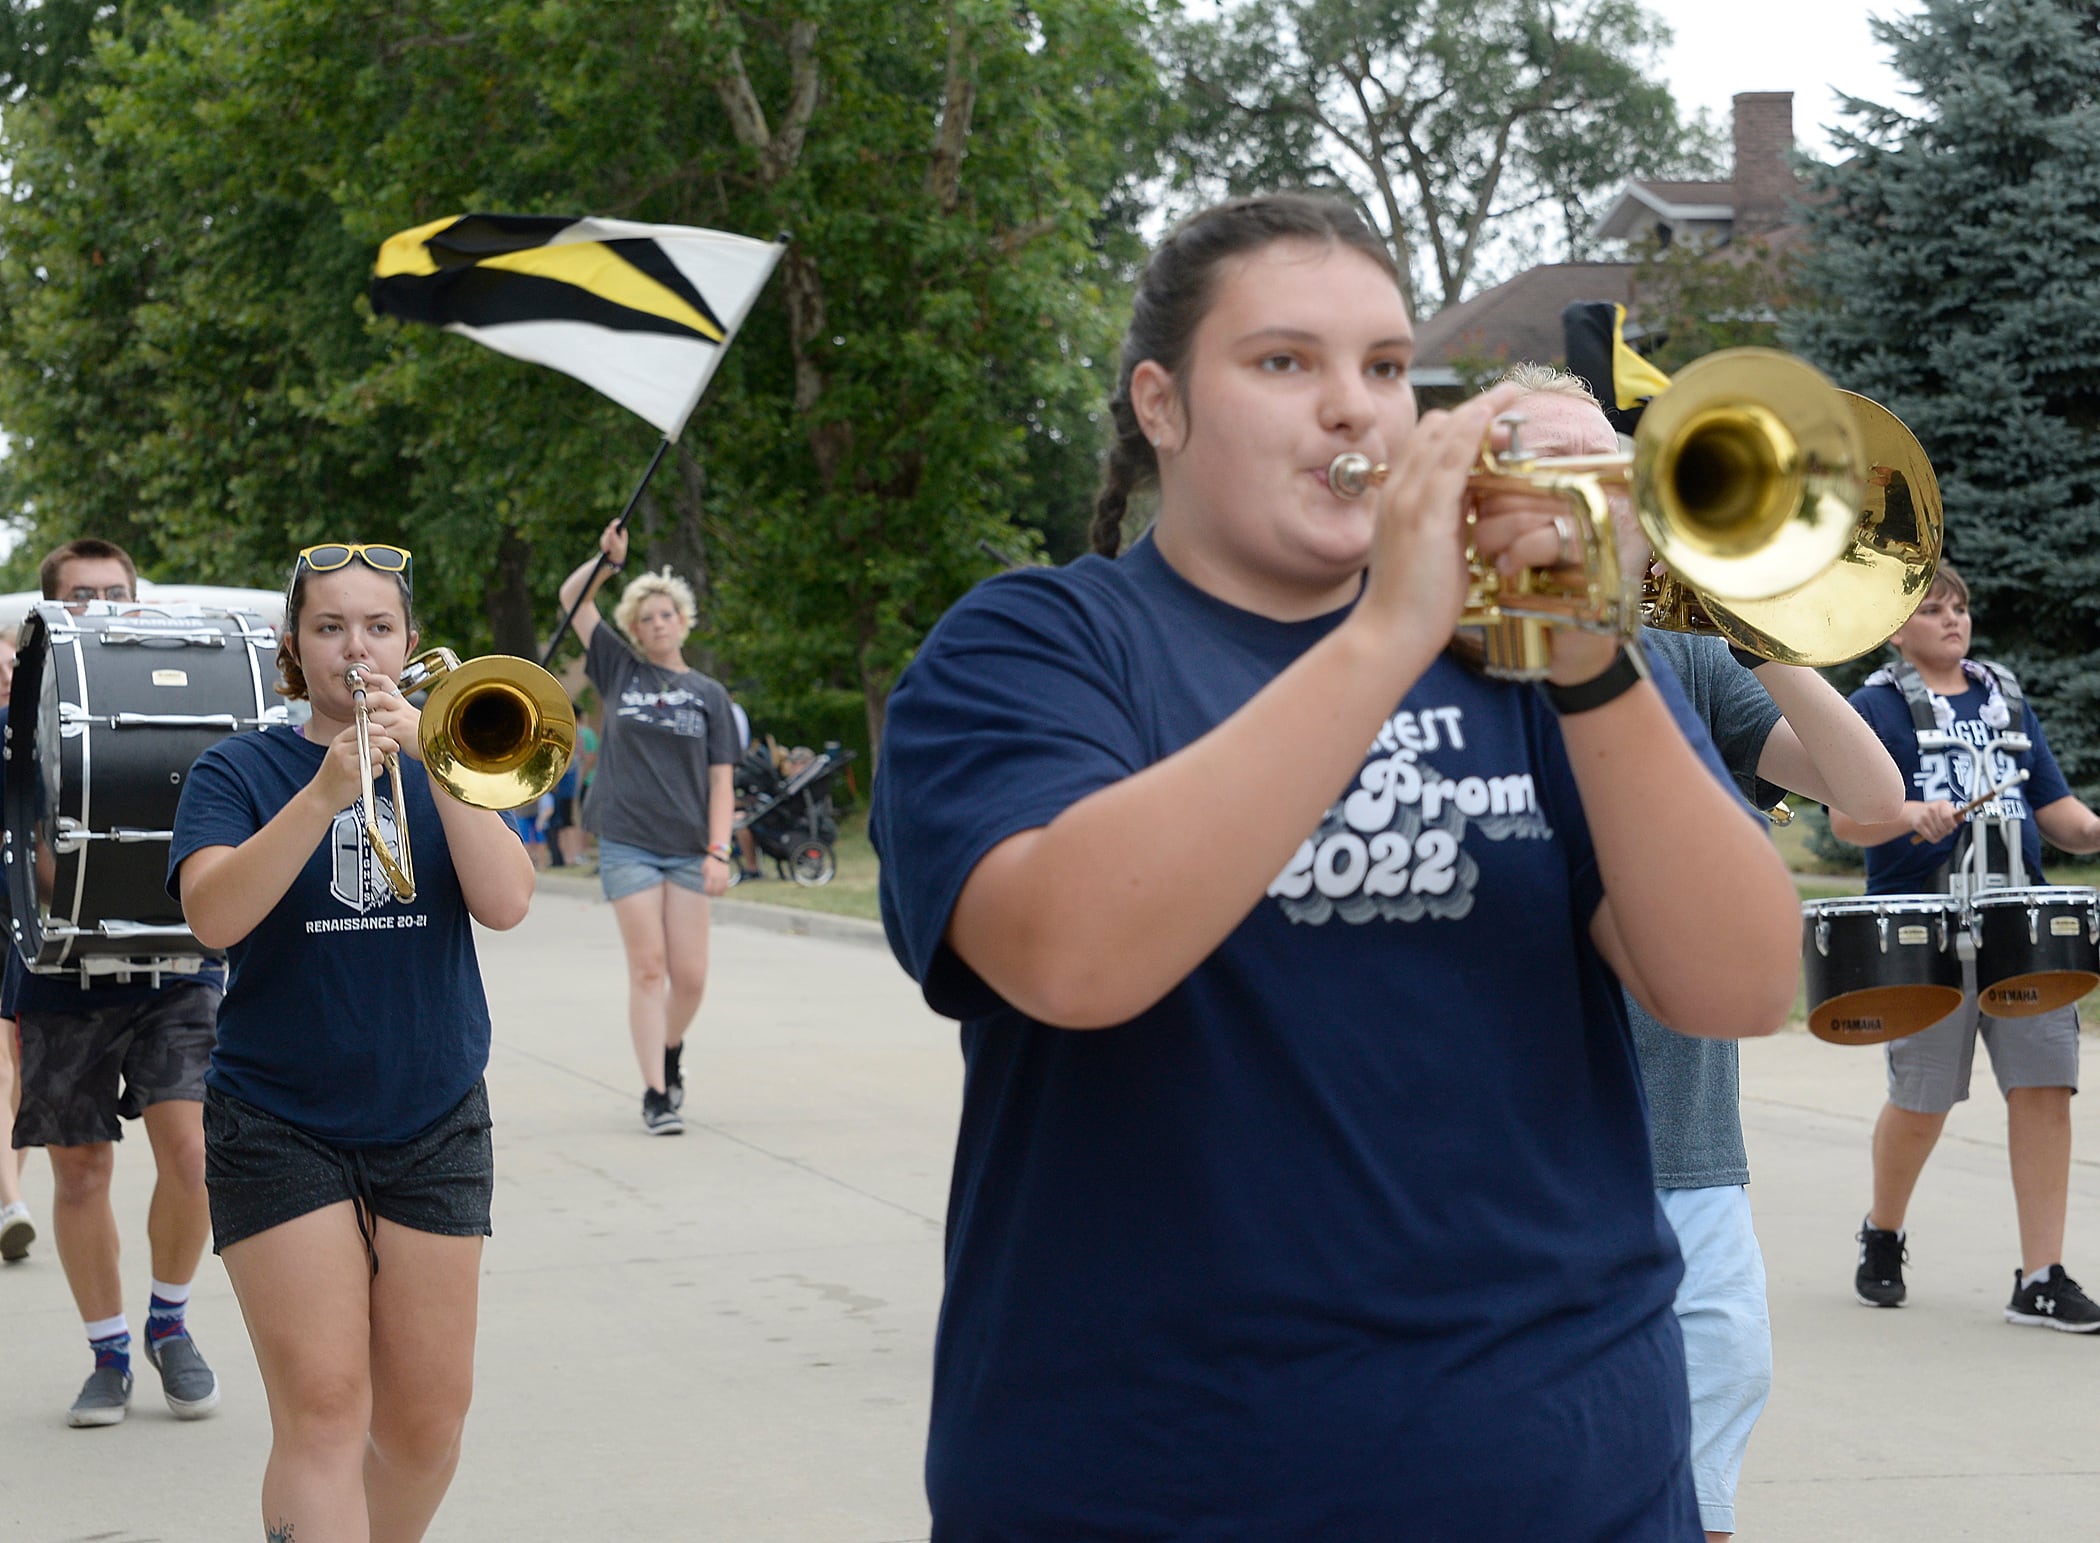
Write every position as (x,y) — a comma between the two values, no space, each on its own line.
(799,923)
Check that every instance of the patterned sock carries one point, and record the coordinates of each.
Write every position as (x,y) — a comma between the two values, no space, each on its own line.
(164,1310)
(110,1339)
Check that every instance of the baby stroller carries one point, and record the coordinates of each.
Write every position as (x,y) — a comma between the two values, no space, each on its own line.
(784,800)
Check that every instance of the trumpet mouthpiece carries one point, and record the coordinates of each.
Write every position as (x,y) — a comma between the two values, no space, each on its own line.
(1351,475)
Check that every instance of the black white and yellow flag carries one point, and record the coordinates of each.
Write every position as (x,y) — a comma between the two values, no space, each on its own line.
(642,313)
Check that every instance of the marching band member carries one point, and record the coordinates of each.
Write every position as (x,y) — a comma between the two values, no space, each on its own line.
(1302,1186)
(1935,687)
(119,1049)
(346,1122)
(661,804)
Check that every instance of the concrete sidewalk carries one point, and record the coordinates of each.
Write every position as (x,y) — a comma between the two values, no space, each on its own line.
(728,1336)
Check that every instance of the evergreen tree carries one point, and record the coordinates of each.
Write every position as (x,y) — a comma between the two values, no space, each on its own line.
(1955,277)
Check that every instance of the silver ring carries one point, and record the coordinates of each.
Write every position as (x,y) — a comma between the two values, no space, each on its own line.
(1565,532)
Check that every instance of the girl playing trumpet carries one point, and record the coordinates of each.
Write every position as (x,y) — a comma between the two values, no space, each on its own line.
(1302,1187)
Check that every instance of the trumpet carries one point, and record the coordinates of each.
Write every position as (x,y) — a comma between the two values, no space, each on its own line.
(496,732)
(1800,522)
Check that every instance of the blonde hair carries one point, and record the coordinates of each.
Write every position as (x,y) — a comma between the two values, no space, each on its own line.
(1532,379)
(650,584)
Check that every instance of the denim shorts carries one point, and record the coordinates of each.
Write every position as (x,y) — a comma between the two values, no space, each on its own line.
(261,1172)
(1727,1336)
(624,870)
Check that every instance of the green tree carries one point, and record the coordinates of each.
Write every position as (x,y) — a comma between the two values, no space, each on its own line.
(191,368)
(1955,277)
(1701,298)
(1463,128)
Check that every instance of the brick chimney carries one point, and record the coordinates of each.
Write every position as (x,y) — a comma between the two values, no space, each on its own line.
(1764,138)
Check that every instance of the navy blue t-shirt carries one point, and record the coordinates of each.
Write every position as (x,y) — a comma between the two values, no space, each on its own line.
(1899,868)
(348,1014)
(1353,1235)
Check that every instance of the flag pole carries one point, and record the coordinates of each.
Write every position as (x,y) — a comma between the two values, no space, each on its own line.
(547,661)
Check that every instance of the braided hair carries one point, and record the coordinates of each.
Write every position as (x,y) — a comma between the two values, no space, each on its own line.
(1175,293)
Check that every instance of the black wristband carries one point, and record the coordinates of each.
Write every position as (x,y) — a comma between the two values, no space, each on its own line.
(1745,658)
(1628,670)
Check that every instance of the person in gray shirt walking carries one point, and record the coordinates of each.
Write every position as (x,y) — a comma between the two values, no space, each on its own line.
(661,806)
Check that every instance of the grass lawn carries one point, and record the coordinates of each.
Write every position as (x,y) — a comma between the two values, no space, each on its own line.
(850,893)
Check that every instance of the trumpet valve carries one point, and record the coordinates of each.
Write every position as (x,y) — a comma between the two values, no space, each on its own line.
(1352,474)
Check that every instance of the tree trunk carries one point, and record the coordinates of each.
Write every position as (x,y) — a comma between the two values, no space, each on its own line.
(683,544)
(510,597)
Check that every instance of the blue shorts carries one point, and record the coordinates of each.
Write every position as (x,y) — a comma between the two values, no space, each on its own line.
(1727,1337)
(624,870)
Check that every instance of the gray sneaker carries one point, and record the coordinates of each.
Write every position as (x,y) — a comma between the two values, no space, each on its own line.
(191,1387)
(103,1398)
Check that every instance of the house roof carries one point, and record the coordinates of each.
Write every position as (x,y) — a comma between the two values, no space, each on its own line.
(1647,202)
(1518,321)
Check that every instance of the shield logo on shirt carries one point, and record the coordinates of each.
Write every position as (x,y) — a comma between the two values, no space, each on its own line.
(357,879)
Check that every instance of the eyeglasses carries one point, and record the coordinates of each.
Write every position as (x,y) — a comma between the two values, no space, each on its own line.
(332,555)
(81,594)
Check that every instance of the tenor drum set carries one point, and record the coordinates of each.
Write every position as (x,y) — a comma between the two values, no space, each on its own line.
(1880,967)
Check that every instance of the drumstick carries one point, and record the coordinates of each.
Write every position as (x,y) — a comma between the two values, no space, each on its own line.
(1978,802)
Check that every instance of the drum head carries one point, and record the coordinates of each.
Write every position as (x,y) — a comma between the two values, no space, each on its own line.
(2041,991)
(1881,1013)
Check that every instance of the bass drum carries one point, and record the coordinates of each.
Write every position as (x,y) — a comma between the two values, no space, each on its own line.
(2036,949)
(1880,967)
(109,710)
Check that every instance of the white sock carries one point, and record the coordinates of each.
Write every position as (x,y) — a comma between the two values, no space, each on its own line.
(107,1328)
(15,1208)
(174,1296)
(2029,1280)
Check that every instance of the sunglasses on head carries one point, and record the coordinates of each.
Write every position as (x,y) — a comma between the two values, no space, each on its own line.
(331,555)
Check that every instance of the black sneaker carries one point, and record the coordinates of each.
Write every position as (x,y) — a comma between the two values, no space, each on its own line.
(674,1076)
(658,1117)
(2054,1301)
(1879,1280)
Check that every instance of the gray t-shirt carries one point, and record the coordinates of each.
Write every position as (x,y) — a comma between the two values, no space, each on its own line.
(1694,1090)
(663,730)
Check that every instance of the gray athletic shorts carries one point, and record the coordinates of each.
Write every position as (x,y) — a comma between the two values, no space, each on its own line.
(262,1172)
(82,1071)
(1929,1071)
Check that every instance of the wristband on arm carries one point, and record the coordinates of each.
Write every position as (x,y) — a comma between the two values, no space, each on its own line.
(1625,672)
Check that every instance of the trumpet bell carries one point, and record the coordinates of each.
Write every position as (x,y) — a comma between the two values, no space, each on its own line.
(1854,604)
(1747,474)
(497,732)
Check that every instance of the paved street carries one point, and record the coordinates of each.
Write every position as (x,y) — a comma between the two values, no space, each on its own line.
(727,1336)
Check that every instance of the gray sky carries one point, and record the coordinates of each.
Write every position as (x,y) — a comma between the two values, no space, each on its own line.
(1813,48)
